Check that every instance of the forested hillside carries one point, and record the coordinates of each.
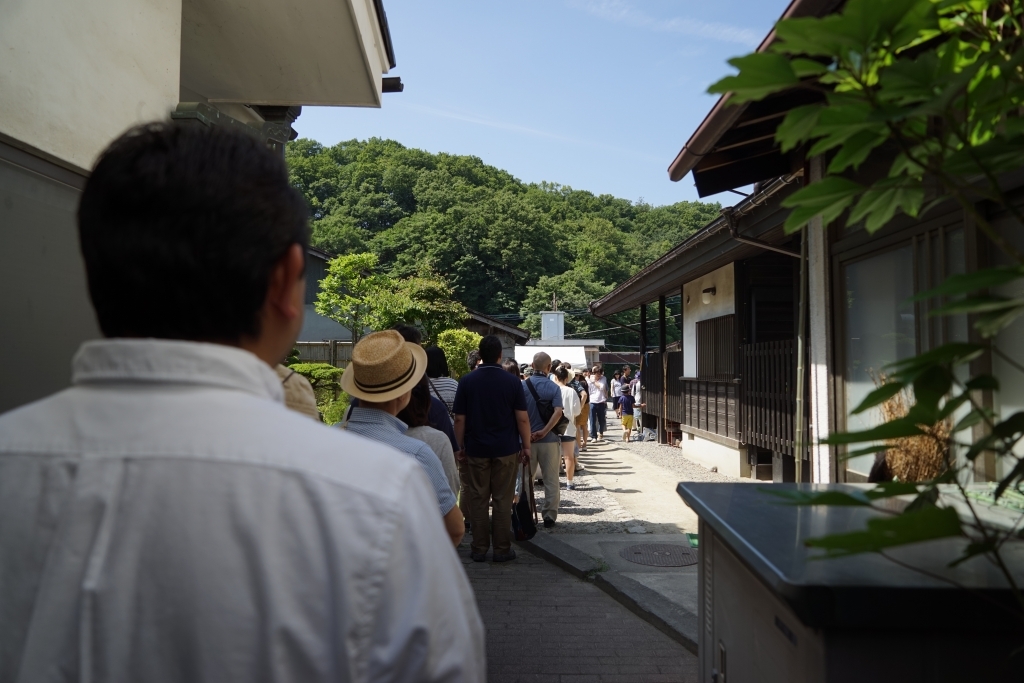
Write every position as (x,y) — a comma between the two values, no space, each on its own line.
(502,244)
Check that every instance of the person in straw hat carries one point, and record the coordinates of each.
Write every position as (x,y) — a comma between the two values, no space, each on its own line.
(382,374)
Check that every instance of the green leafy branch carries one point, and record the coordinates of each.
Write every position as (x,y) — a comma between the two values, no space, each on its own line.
(931,92)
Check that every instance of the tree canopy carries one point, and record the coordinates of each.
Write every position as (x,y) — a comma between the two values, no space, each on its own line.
(503,245)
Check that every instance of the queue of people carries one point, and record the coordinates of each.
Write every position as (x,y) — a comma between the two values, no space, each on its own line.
(167,517)
(171,493)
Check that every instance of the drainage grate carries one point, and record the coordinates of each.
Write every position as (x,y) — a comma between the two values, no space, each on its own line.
(660,555)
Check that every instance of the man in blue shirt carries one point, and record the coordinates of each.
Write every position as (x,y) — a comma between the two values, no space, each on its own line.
(546,445)
(383,371)
(493,429)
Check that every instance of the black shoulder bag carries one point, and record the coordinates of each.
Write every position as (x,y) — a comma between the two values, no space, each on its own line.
(547,409)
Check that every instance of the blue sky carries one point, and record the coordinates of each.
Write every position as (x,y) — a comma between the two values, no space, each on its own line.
(596,94)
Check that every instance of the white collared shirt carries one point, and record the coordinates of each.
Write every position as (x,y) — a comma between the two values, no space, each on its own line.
(168,519)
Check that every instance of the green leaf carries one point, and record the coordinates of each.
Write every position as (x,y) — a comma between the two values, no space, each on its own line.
(978,304)
(927,498)
(894,429)
(995,156)
(798,125)
(855,150)
(924,524)
(974,549)
(878,396)
(833,497)
(969,420)
(811,36)
(966,283)
(808,67)
(1012,478)
(947,355)
(931,386)
(828,197)
(952,405)
(990,324)
(851,496)
(870,450)
(879,203)
(761,74)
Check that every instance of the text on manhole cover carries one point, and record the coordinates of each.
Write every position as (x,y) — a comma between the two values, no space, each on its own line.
(660,555)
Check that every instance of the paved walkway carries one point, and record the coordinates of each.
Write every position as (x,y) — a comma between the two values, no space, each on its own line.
(544,625)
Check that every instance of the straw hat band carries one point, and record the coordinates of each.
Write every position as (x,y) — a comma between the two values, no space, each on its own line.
(390,384)
(384,366)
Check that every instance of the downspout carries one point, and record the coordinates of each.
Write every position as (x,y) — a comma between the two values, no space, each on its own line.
(801,370)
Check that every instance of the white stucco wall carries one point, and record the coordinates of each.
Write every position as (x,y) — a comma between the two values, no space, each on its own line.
(729,461)
(74,75)
(722,303)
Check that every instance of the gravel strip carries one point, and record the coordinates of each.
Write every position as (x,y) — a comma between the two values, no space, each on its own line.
(672,459)
(590,509)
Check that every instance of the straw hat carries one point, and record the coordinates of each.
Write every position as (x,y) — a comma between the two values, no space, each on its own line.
(384,366)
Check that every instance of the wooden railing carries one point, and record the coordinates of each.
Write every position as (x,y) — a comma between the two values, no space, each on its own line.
(653,377)
(711,406)
(769,395)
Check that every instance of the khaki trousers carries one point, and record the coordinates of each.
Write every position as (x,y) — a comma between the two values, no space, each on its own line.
(492,478)
(547,457)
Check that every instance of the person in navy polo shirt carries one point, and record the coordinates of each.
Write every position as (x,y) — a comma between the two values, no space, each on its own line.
(493,428)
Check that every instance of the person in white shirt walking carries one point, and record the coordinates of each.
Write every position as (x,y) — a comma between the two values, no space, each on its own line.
(167,518)
(598,389)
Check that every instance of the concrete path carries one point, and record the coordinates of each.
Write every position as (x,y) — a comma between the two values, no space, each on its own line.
(544,625)
(646,492)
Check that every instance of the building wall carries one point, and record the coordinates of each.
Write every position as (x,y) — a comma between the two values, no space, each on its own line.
(729,461)
(694,310)
(45,311)
(316,327)
(75,75)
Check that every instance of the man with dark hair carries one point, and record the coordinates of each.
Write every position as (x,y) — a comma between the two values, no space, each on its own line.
(167,518)
(492,425)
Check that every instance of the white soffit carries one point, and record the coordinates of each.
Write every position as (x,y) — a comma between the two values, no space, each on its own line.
(283,52)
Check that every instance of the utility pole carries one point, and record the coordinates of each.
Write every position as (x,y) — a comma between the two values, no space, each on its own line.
(554,301)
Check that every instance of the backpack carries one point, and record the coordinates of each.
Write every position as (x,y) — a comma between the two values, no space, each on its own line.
(546,409)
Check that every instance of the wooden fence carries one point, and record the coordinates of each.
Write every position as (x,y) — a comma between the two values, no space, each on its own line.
(769,395)
(334,352)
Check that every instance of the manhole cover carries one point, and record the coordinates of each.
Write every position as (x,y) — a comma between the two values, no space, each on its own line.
(660,555)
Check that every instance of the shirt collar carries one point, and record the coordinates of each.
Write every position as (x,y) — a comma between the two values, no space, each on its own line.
(167,361)
(377,417)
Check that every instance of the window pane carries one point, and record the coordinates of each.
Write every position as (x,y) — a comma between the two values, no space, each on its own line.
(956,264)
(879,329)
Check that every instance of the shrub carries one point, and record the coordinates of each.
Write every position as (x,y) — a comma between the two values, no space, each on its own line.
(334,411)
(456,345)
(325,378)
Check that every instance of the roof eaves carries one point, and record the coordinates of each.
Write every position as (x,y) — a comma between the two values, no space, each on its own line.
(723,115)
(511,329)
(715,226)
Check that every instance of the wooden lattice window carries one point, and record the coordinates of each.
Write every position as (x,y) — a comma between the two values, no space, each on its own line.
(716,348)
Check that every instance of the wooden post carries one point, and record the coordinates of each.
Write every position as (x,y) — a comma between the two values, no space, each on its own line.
(643,331)
(662,348)
(662,324)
